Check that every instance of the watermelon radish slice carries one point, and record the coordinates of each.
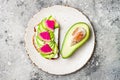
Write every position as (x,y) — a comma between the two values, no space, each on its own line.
(52,55)
(45,36)
(50,24)
(56,24)
(46,49)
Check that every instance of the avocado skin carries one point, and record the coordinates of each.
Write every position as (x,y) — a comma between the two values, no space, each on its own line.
(73,48)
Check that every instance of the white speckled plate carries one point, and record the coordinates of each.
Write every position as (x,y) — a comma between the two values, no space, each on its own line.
(66,16)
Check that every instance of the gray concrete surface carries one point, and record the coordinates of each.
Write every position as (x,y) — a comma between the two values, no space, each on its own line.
(104,64)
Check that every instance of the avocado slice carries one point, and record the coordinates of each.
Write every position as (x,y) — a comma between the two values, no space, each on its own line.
(52,36)
(51,44)
(39,42)
(38,29)
(44,24)
(42,29)
(73,40)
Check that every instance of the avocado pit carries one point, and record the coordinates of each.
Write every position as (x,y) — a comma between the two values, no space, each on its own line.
(77,35)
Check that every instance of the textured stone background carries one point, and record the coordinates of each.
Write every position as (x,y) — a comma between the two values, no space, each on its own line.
(104,64)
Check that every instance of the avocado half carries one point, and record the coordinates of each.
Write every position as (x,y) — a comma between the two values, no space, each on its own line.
(68,48)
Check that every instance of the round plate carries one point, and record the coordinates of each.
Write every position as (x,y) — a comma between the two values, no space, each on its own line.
(66,16)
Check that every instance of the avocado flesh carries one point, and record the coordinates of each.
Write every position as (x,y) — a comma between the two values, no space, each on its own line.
(42,29)
(44,24)
(52,36)
(68,49)
(39,42)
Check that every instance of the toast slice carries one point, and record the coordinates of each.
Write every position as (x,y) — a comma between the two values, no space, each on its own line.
(46,39)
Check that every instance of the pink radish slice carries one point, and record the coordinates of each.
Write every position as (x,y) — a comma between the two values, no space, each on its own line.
(50,24)
(45,36)
(46,49)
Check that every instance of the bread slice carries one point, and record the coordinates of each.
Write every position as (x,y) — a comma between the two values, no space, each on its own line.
(56,36)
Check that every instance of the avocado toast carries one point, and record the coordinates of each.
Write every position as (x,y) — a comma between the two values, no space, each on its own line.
(45,39)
